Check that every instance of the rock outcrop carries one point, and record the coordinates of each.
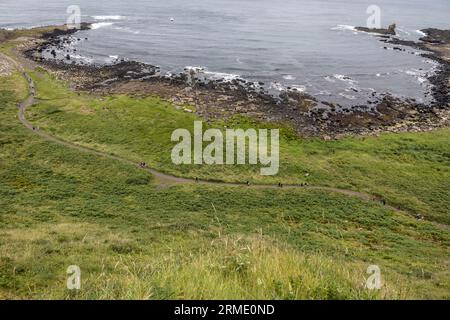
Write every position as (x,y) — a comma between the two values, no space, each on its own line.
(390,31)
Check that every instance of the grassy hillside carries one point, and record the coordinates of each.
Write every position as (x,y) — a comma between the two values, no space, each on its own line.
(410,170)
(133,238)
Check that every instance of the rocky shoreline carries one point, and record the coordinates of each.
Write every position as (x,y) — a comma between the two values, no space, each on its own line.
(218,99)
(433,43)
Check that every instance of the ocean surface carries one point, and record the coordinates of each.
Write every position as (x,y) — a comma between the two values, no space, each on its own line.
(305,44)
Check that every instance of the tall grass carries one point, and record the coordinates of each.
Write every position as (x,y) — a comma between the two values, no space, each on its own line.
(229,268)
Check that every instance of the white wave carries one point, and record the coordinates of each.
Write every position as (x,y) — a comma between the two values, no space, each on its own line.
(194,69)
(432,62)
(422,79)
(221,75)
(82,58)
(108,17)
(99,25)
(276,86)
(210,75)
(418,74)
(344,27)
(127,30)
(344,78)
(347,96)
(289,77)
(403,31)
(298,88)
(111,59)
(413,72)
(421,33)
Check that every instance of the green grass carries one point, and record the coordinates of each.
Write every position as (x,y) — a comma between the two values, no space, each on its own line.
(410,170)
(133,238)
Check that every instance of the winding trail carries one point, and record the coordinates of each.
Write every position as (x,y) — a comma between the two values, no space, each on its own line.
(163,178)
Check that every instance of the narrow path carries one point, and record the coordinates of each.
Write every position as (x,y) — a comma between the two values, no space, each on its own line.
(163,178)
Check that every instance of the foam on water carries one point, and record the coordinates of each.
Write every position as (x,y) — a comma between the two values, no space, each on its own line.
(347,96)
(81,58)
(344,78)
(420,32)
(210,75)
(289,77)
(277,86)
(344,27)
(99,25)
(299,88)
(108,17)
(126,29)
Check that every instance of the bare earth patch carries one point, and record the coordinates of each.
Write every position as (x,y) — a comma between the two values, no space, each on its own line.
(443,50)
(6,67)
(84,110)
